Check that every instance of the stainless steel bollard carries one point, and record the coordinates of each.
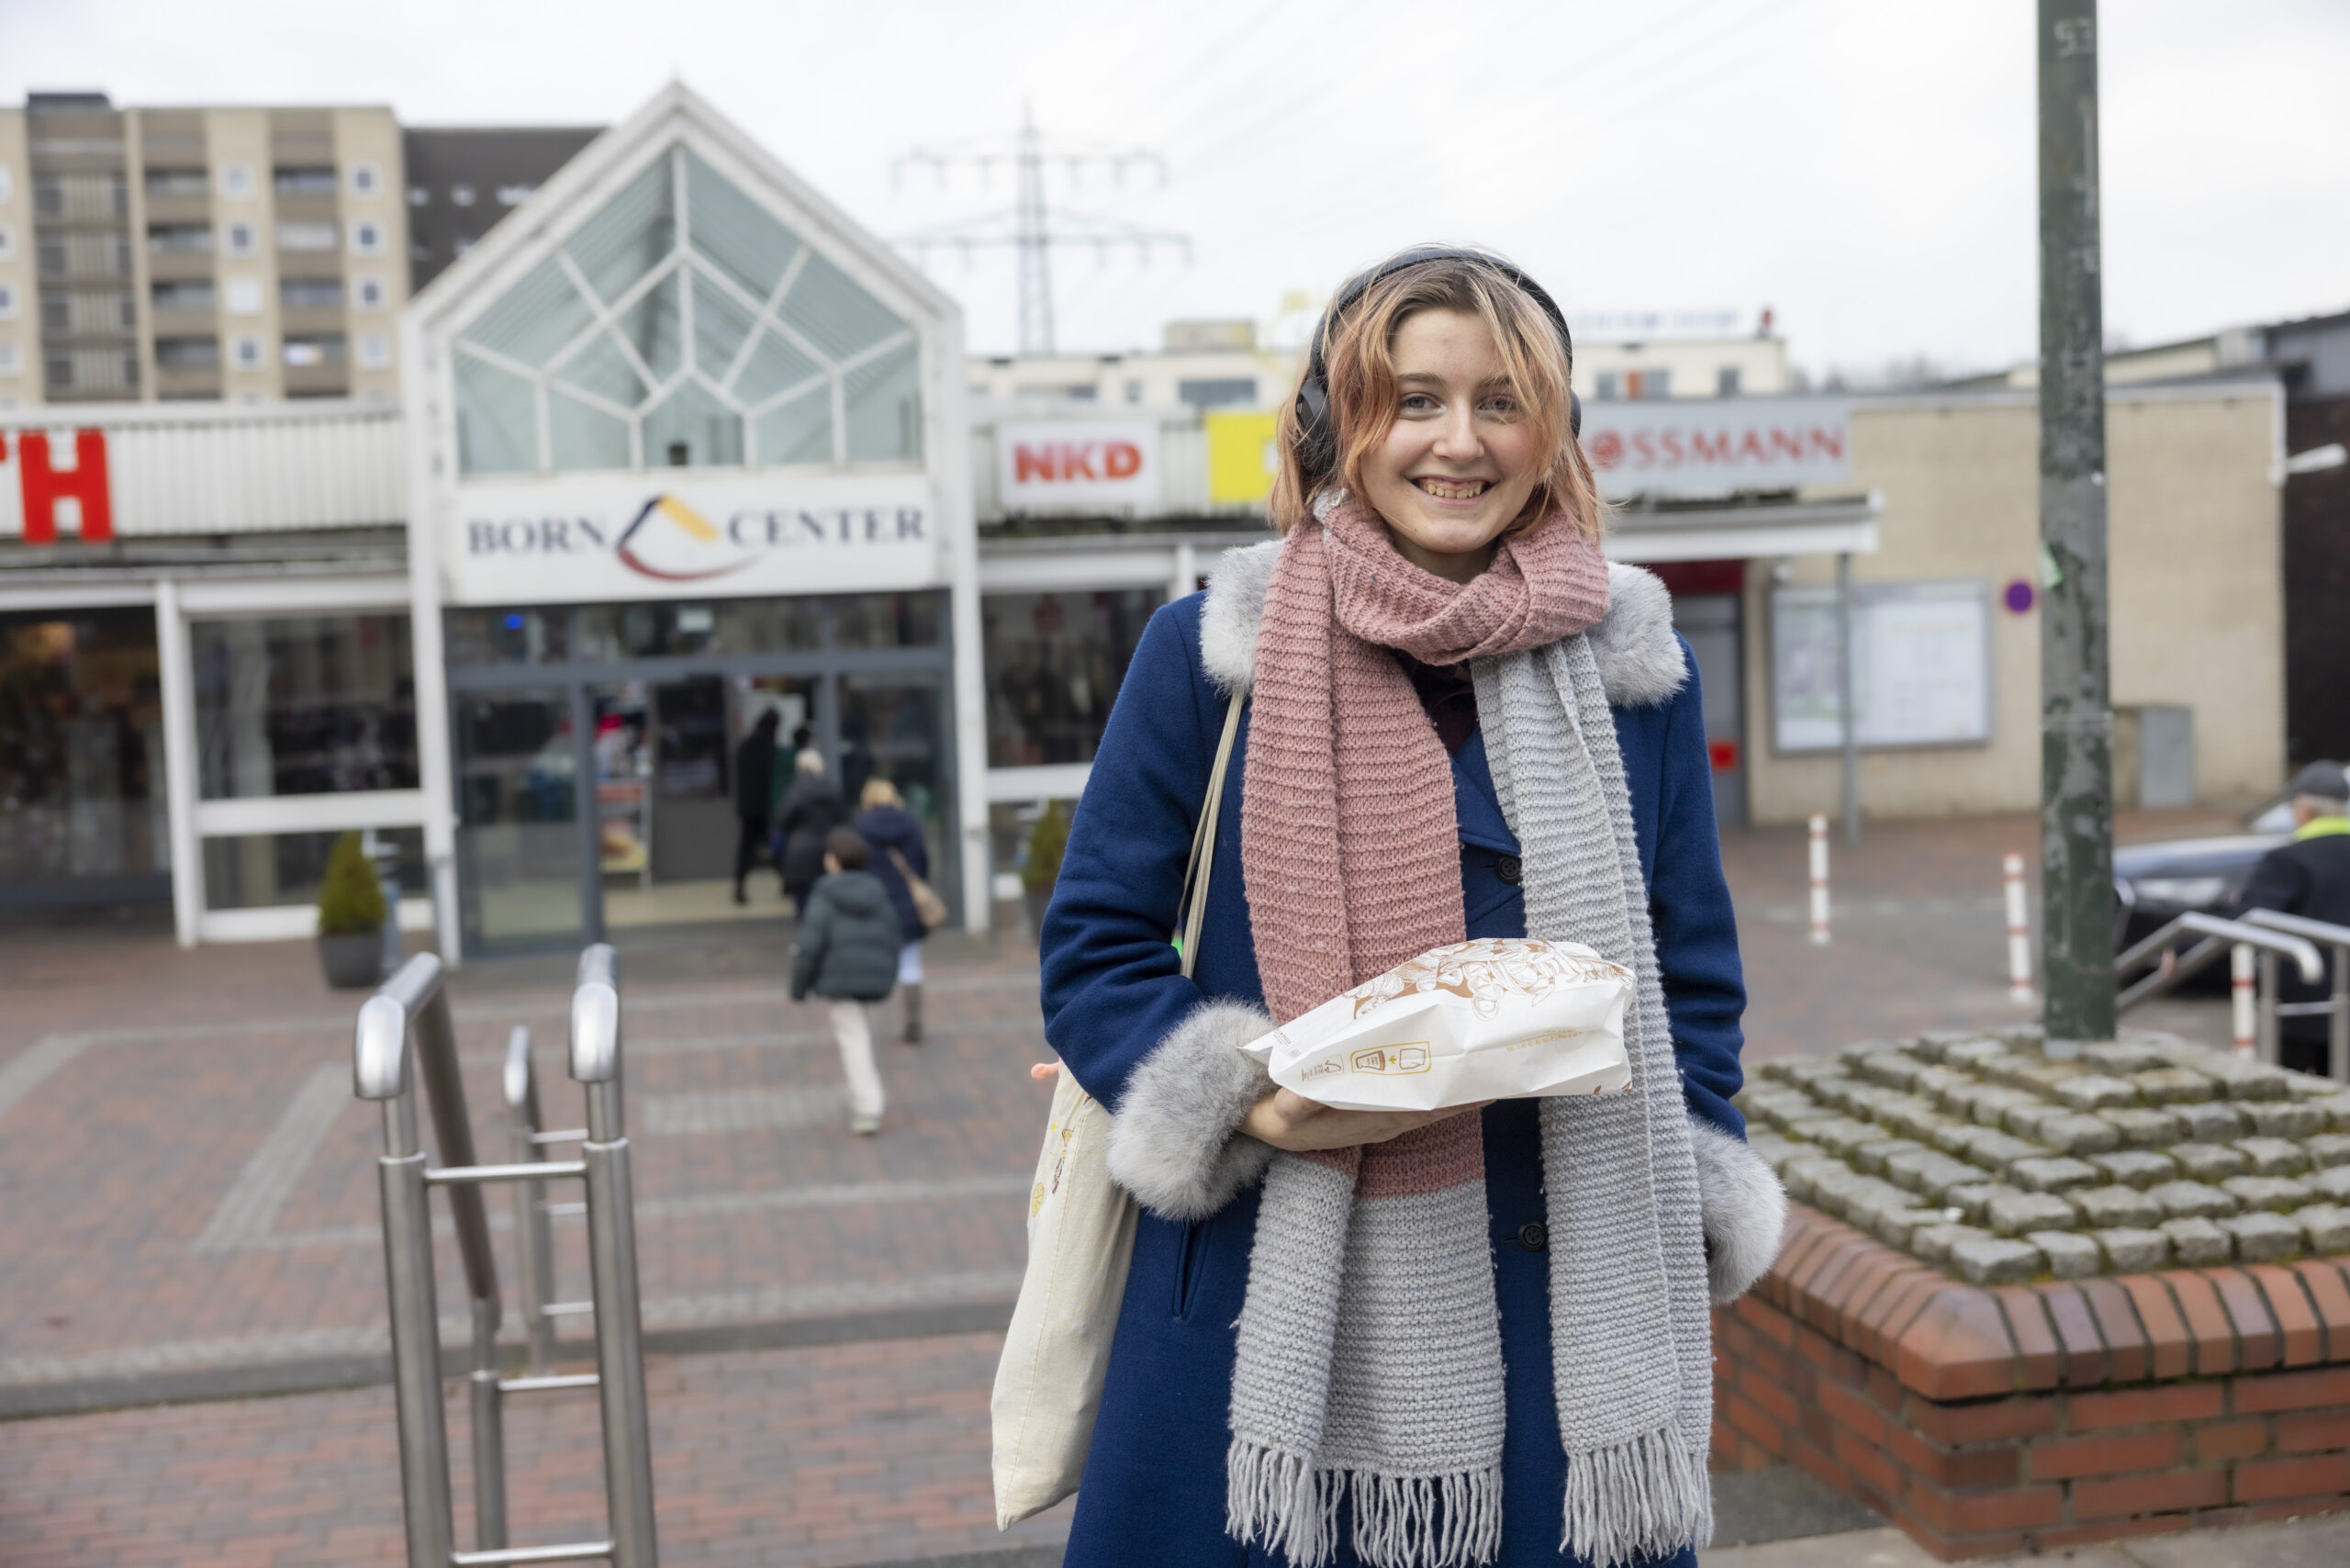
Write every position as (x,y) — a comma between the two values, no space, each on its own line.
(534,1258)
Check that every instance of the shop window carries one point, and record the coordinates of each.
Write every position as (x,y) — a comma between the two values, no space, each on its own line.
(81,749)
(886,620)
(1726,381)
(267,871)
(1053,665)
(506,637)
(310,705)
(705,329)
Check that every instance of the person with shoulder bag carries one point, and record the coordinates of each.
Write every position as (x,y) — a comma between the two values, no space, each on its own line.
(901,860)
(1469,1337)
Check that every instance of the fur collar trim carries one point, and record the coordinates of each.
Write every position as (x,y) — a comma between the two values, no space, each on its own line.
(1639,657)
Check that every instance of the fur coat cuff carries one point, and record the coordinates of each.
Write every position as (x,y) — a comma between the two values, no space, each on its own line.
(1172,1142)
(1744,1209)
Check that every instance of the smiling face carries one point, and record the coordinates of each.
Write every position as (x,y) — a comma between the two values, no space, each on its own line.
(1458,463)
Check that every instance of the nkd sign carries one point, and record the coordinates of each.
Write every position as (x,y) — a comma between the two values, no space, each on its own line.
(1706,446)
(1054,465)
(672,537)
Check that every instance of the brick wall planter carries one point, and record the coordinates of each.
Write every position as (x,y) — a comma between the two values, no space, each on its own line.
(1985,1419)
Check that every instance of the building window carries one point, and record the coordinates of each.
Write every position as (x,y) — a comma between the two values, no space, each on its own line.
(81,746)
(1726,381)
(236,182)
(366,238)
(1134,391)
(419,195)
(1639,384)
(366,180)
(1608,387)
(8,182)
(1053,662)
(310,293)
(51,258)
(306,180)
(178,238)
(188,353)
(240,238)
(314,705)
(12,362)
(57,370)
(312,238)
(375,350)
(316,349)
(245,296)
(171,182)
(514,195)
(8,242)
(273,870)
(462,194)
(370,293)
(182,293)
(7,301)
(1218,392)
(249,353)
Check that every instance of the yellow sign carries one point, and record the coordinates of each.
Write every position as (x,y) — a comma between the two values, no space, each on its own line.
(1241,460)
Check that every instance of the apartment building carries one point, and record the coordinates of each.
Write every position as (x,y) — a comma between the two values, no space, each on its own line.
(159,254)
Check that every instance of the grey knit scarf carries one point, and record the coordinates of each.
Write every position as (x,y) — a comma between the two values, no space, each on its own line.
(1369,1367)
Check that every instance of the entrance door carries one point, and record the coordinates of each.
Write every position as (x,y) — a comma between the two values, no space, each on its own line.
(518,809)
(693,782)
(894,727)
(1710,623)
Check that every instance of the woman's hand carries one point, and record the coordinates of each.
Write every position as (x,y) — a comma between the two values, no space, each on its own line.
(1287,1119)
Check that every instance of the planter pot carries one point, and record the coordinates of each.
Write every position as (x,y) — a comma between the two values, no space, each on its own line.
(354,962)
(1035,903)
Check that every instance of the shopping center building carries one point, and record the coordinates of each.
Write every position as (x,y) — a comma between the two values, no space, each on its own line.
(680,444)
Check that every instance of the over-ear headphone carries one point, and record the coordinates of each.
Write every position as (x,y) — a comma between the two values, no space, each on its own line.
(1317,440)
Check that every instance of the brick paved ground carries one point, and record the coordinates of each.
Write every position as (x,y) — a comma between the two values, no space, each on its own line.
(188,1188)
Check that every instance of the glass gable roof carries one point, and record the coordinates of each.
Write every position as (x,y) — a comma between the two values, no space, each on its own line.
(684,325)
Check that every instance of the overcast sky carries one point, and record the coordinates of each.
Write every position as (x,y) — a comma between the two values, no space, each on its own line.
(1863,167)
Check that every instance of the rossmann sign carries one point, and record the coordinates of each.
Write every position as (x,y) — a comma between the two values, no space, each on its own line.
(1077,464)
(667,535)
(1717,447)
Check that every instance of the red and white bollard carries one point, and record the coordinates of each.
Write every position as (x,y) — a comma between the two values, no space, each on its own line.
(2242,992)
(2019,935)
(1819,880)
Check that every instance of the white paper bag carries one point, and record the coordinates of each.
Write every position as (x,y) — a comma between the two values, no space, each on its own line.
(1494,1018)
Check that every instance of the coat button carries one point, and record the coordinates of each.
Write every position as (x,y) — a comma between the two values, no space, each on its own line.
(1506,867)
(1534,1236)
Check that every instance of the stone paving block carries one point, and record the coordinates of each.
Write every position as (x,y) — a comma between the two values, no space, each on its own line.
(1934,1082)
(1991,1103)
(1803,1071)
(2094,1091)
(2042,1077)
(2057,1175)
(2076,1133)
(2277,1193)
(1997,1151)
(1801,1176)
(2191,1200)
(2241,1078)
(2130,1251)
(1870,1157)
(2285,1118)
(1772,1103)
(2013,1213)
(2136,1167)
(1972,1053)
(2274,1156)
(2337,1112)
(2325,1226)
(2328,1150)
(2024,1121)
(2141,1126)
(1843,1135)
(2069,1257)
(1833,1190)
(2120,1058)
(1996,1262)
(2210,1162)
(2198,1242)
(1933,1242)
(2211,1121)
(1957,1138)
(2262,1236)
(1930,1173)
(1771,1148)
(1974,1202)
(2173,1085)
(2124,1208)
(1892,1068)
(1859,1051)
(1913,1116)
(2334,1183)
(2310,1086)
(1805,1125)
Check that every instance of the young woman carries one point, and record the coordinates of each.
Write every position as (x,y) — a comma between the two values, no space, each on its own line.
(1475,1336)
(888,826)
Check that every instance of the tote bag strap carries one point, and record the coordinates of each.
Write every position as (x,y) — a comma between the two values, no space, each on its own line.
(1194,903)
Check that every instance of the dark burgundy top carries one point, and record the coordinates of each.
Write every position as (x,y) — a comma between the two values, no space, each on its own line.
(1446,696)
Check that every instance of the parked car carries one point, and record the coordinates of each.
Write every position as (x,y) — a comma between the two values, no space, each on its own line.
(2155,883)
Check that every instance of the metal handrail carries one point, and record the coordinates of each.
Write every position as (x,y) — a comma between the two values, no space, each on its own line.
(2219,936)
(415,1002)
(2337,1008)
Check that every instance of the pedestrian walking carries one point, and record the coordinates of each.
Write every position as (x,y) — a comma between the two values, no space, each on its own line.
(754,798)
(1466,1337)
(899,852)
(811,809)
(848,955)
(2309,875)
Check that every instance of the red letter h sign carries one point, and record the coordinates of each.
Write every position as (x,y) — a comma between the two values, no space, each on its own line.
(85,483)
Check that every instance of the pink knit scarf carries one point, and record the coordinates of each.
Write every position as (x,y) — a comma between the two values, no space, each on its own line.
(1348,842)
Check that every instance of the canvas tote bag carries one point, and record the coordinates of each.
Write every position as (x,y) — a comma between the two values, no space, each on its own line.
(1081,1239)
(929,908)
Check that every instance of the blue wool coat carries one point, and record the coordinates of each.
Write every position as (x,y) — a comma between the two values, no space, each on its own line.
(1154,1487)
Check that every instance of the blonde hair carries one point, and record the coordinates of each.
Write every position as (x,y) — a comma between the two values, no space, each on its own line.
(878,792)
(1359,351)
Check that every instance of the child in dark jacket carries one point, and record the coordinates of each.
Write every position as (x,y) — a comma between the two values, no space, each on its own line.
(848,955)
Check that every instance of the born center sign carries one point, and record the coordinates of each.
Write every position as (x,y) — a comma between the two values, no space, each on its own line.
(668,535)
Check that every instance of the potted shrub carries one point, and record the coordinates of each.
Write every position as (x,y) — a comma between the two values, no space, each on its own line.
(351,918)
(1041,868)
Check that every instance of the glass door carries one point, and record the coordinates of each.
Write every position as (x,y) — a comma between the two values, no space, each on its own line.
(519,840)
(894,727)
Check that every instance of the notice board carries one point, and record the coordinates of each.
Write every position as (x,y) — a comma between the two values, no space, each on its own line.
(1921,665)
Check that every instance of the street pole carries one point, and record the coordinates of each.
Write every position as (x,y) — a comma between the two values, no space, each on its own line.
(2075,716)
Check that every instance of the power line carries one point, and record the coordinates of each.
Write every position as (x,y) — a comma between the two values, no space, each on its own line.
(1029,227)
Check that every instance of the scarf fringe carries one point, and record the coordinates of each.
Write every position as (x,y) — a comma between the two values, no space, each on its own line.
(1647,1497)
(1400,1521)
